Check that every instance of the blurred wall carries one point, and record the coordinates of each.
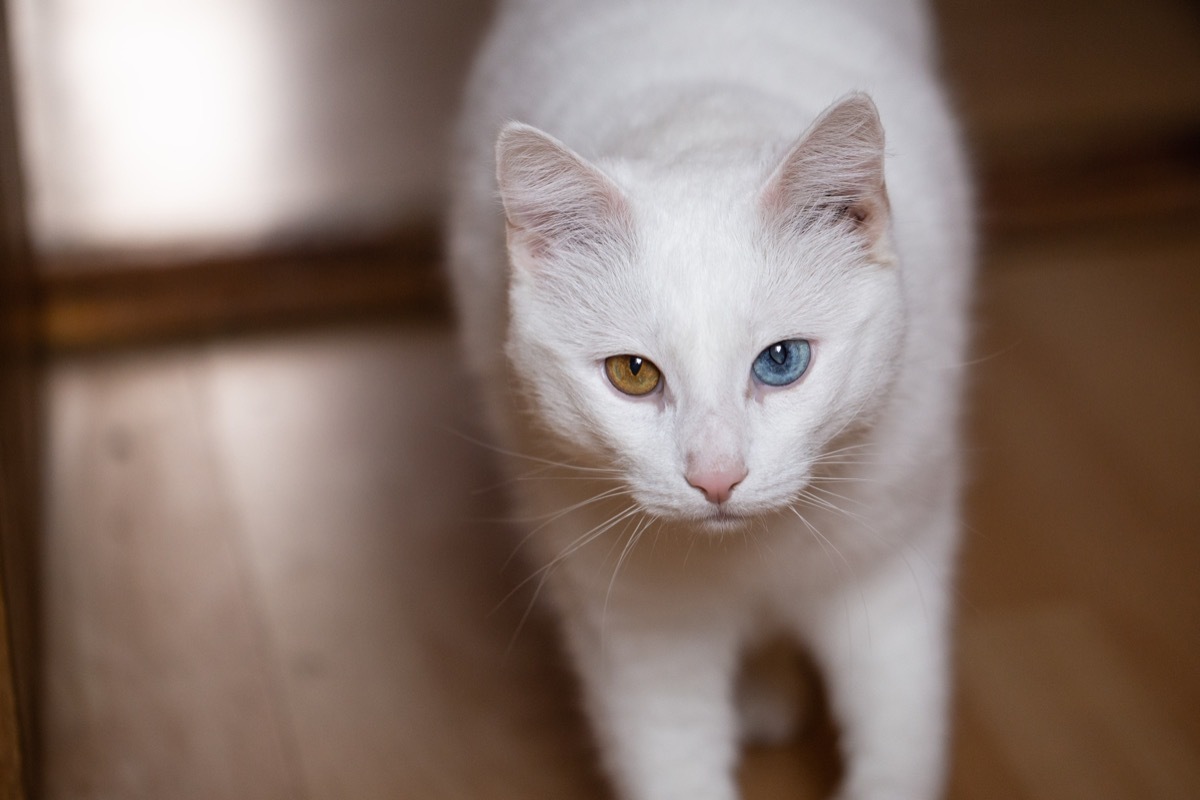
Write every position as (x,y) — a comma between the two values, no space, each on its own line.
(207,125)
(185,126)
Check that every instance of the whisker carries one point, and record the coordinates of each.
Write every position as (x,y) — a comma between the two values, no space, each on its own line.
(824,541)
(542,574)
(591,536)
(618,537)
(904,547)
(536,459)
(847,449)
(813,487)
(642,525)
(858,480)
(819,502)
(821,538)
(508,481)
(615,491)
(845,461)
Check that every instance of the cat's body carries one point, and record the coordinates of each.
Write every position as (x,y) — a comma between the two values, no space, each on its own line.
(694,230)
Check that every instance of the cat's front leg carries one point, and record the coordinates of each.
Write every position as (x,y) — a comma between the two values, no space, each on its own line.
(882,646)
(659,696)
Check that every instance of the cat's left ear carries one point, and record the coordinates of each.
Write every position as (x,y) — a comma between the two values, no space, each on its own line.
(833,176)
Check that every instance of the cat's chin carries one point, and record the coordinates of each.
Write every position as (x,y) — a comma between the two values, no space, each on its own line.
(723,521)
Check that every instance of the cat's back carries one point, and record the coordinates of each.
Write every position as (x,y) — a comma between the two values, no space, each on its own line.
(565,65)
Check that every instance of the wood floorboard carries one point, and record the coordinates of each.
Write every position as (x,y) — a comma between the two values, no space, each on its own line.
(1071,718)
(156,685)
(1101,375)
(273,563)
(378,558)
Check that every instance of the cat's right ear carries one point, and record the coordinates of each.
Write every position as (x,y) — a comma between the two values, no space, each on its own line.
(835,176)
(555,202)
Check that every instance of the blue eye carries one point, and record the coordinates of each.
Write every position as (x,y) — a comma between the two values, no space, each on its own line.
(783,362)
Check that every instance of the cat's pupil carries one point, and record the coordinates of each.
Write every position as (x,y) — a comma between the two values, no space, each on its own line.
(635,364)
(778,354)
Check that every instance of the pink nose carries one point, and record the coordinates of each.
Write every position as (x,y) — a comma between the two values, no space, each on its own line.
(717,484)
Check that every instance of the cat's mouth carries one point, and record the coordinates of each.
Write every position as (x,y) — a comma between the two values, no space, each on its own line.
(705,517)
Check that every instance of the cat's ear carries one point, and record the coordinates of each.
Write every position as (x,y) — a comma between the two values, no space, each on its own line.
(555,202)
(834,175)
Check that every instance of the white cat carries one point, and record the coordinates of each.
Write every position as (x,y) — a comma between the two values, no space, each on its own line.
(721,325)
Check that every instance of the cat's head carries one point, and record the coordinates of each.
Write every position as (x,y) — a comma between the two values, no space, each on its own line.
(707,327)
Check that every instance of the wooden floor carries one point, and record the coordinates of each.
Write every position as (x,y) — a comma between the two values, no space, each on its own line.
(273,566)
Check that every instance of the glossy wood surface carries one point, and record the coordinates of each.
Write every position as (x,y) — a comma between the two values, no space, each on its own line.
(275,567)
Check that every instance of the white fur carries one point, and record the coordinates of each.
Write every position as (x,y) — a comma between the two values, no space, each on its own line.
(672,209)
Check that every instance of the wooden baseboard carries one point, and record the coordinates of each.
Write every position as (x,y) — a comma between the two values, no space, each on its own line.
(1127,184)
(95,304)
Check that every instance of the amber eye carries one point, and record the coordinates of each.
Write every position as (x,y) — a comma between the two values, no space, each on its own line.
(632,374)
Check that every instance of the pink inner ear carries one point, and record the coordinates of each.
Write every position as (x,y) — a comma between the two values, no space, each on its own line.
(555,201)
(834,172)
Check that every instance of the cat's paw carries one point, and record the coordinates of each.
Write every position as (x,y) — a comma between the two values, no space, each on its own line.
(774,697)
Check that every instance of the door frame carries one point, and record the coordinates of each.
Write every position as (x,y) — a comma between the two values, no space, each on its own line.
(20,438)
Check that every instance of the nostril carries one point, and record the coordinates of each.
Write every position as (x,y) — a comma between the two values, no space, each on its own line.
(717,485)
